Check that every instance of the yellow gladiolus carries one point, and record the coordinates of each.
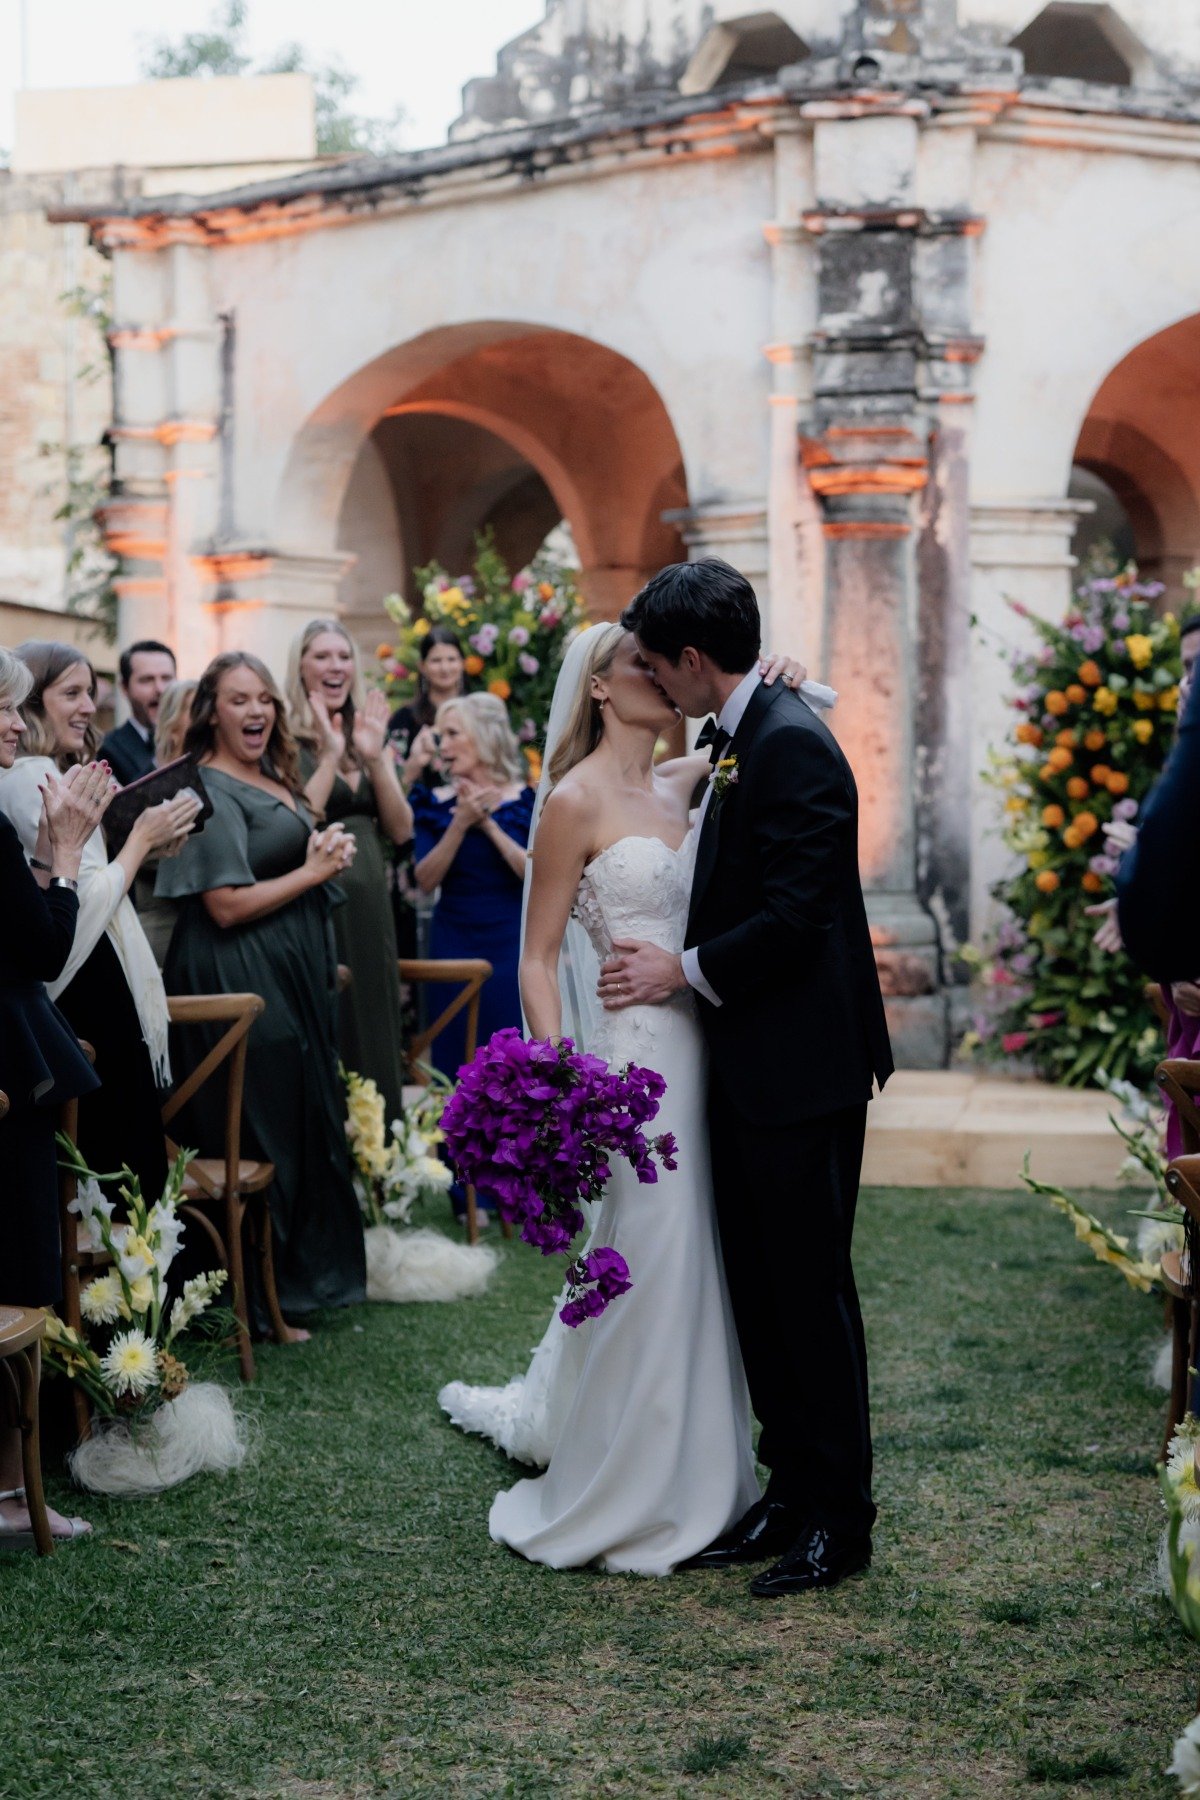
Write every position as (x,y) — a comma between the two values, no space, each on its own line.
(1143,730)
(1104,700)
(1140,649)
(1144,702)
(1169,701)
(422,628)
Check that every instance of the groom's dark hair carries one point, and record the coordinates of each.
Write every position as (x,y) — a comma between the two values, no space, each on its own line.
(706,604)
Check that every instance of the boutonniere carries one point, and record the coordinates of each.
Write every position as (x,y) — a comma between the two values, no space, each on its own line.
(724,777)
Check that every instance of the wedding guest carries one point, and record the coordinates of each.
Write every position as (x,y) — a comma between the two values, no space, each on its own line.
(442,677)
(349,775)
(109,988)
(41,1064)
(173,718)
(254,905)
(147,670)
(1159,877)
(470,845)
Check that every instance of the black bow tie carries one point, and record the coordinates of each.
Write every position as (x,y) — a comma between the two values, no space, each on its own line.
(713,739)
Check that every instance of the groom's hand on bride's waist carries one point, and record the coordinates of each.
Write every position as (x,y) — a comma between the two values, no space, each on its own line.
(639,974)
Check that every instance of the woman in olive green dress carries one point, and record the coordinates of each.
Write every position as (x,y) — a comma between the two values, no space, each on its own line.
(254,918)
(350,775)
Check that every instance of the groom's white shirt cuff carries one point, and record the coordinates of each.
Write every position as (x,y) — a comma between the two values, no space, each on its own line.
(694,976)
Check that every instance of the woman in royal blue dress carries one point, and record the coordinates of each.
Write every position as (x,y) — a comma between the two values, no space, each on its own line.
(470,843)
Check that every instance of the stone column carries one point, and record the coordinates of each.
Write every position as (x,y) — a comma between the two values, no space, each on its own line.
(1020,551)
(866,449)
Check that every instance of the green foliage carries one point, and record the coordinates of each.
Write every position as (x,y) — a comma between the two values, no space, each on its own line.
(1095,713)
(219,49)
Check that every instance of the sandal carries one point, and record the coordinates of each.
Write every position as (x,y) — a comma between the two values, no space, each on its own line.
(20,1537)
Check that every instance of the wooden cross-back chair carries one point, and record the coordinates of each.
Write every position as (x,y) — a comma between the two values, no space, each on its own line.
(223,1193)
(21,1330)
(1179,1083)
(468,974)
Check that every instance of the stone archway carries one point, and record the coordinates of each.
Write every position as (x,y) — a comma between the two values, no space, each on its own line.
(514,425)
(1140,438)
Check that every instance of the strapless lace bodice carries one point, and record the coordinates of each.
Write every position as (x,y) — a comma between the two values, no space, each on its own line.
(638,888)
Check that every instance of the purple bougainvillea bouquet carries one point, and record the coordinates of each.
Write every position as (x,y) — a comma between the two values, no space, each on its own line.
(537,1125)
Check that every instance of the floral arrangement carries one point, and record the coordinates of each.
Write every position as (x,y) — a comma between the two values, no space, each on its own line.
(1095,712)
(392,1173)
(126,1359)
(515,629)
(1179,1565)
(1106,1246)
(536,1124)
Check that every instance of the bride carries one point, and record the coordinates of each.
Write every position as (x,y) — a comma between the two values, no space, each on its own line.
(641,1418)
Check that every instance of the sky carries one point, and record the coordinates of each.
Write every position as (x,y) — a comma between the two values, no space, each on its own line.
(411,53)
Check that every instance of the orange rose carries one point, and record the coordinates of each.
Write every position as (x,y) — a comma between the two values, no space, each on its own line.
(1059,759)
(1053,817)
(1118,783)
(500,688)
(1086,824)
(545,590)
(1095,740)
(1090,674)
(1067,739)
(1091,883)
(1077,788)
(383,651)
(1046,881)
(1029,734)
(1072,837)
(1076,695)
(1057,703)
(474,665)
(1100,774)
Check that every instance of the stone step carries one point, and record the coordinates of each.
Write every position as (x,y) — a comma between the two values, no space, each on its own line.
(951,1128)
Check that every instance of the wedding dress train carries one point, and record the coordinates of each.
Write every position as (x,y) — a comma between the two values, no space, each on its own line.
(642,1415)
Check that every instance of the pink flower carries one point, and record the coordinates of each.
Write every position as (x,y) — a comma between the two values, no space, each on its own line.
(1043,1021)
(1013,1042)
(520,583)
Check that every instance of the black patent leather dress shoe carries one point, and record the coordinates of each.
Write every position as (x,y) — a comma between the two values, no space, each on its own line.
(768,1529)
(818,1559)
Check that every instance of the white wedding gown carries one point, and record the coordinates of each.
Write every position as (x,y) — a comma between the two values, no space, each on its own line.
(642,1415)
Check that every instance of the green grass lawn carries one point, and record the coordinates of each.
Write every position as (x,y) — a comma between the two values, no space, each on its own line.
(333,1621)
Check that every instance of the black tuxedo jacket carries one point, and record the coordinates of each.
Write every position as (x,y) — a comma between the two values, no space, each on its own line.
(127,753)
(778,919)
(1160,877)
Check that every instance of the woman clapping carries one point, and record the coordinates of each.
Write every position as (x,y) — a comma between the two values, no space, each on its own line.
(254,918)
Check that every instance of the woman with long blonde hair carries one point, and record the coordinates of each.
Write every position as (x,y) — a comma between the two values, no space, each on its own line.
(254,903)
(349,774)
(471,836)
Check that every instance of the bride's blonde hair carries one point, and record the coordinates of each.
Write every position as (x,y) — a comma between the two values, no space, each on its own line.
(585,722)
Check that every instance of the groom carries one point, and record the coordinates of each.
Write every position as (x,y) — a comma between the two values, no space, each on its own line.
(780,955)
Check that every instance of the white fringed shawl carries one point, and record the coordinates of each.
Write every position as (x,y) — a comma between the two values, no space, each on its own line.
(103,907)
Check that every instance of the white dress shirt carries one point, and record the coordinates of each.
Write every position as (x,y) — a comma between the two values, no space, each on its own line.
(728,719)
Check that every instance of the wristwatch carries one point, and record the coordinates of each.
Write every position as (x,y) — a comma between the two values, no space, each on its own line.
(64,881)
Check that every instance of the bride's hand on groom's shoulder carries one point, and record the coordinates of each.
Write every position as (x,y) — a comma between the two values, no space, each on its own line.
(639,974)
(774,668)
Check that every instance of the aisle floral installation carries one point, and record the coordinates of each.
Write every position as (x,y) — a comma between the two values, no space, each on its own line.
(154,1426)
(1094,718)
(514,629)
(1179,1567)
(536,1124)
(392,1171)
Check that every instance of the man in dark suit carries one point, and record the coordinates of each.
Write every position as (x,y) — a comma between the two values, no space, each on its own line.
(780,955)
(147,671)
(1159,878)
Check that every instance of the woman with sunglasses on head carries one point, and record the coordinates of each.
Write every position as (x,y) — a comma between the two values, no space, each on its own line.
(254,905)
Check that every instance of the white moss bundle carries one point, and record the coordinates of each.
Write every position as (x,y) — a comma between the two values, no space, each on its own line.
(198,1433)
(424,1265)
